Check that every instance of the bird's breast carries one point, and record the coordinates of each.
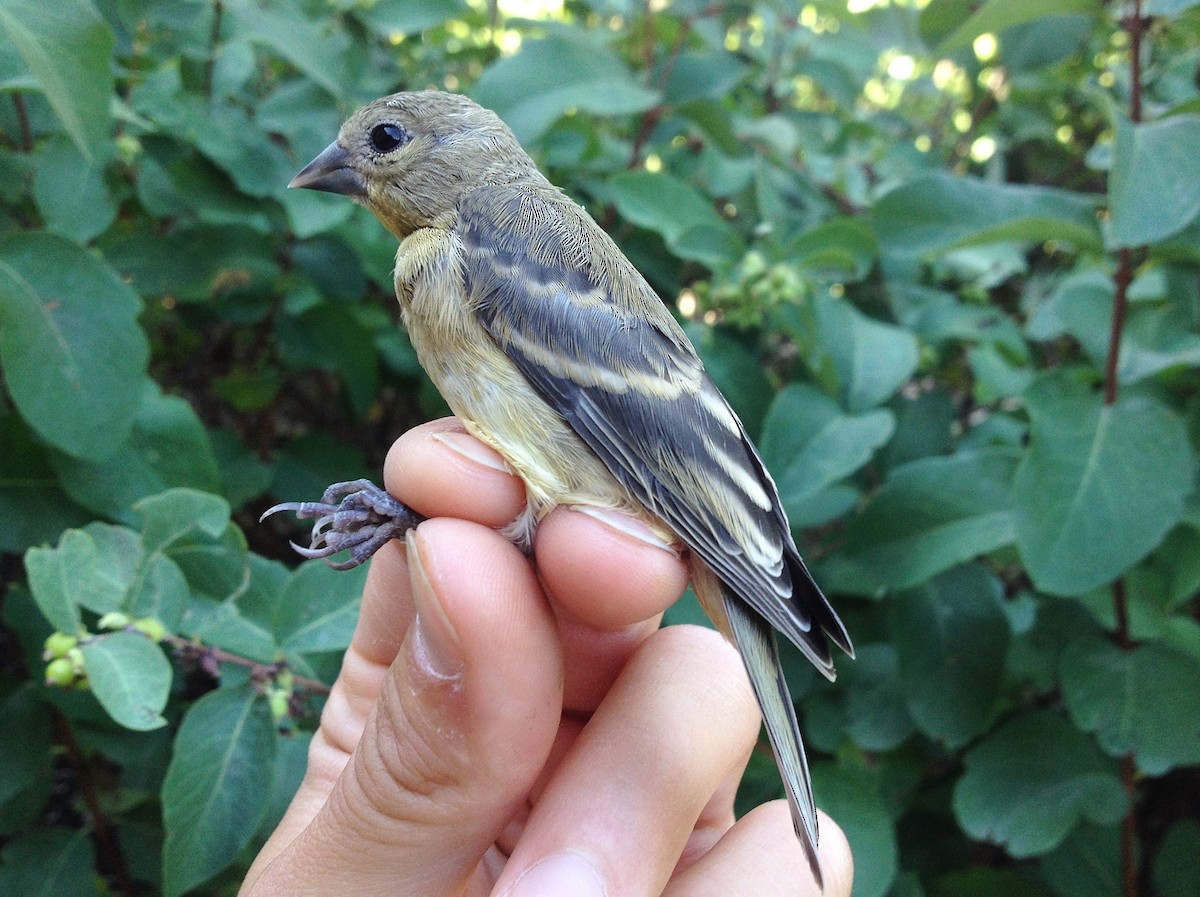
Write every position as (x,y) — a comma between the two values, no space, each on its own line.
(485,390)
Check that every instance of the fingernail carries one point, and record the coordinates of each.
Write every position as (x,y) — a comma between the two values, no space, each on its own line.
(626,525)
(472,449)
(559,875)
(435,641)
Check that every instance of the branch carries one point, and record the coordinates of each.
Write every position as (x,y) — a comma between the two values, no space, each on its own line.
(106,842)
(214,35)
(208,657)
(23,118)
(1135,25)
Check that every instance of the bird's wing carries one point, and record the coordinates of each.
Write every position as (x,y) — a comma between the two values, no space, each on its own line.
(597,344)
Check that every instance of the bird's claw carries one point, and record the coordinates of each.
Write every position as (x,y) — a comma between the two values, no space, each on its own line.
(356,516)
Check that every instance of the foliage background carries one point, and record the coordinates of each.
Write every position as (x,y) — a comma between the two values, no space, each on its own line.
(943,257)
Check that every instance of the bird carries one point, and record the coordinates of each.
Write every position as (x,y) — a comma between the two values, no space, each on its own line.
(550,347)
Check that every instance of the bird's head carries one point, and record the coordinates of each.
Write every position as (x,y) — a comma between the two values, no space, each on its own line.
(411,157)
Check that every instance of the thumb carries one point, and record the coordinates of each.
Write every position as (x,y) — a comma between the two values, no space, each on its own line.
(464,722)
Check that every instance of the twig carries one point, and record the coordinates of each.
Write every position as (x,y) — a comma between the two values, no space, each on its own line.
(187,647)
(214,35)
(1122,277)
(106,840)
(1134,24)
(23,118)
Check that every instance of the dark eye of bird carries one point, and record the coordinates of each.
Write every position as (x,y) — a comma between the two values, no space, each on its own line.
(386,137)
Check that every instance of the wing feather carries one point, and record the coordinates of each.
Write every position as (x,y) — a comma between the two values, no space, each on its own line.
(598,345)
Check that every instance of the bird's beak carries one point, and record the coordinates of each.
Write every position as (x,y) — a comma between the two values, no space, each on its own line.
(331,171)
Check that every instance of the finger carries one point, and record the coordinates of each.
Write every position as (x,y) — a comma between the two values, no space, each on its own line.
(605,569)
(609,579)
(638,776)
(464,722)
(384,619)
(441,470)
(761,856)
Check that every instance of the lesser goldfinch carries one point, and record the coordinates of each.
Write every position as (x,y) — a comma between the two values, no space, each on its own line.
(551,348)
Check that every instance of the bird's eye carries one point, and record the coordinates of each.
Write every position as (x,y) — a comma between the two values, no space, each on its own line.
(386,137)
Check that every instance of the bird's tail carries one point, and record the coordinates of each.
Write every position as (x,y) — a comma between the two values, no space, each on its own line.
(755,640)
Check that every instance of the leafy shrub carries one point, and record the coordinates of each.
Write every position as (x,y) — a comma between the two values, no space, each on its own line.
(943,260)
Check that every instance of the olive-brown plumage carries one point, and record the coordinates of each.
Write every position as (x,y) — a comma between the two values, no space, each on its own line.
(551,348)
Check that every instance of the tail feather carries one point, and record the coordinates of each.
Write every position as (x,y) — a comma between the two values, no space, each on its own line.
(755,640)
(825,621)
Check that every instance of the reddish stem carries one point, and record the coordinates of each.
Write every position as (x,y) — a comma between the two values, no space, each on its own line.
(106,841)
(1134,24)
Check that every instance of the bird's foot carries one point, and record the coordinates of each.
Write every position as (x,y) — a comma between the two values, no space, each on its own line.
(356,516)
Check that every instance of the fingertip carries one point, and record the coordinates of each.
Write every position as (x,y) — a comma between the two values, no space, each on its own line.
(440,470)
(837,863)
(491,598)
(465,718)
(606,569)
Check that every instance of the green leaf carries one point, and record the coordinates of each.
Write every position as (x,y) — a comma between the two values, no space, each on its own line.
(242,624)
(119,556)
(1168,7)
(34,508)
(336,339)
(841,248)
(984,881)
(871,359)
(809,443)
(687,221)
(315,49)
(1031,781)
(995,15)
(533,89)
(876,717)
(130,677)
(25,747)
(390,18)
(68,48)
(167,447)
(175,513)
(938,212)
(72,352)
(702,75)
(291,763)
(851,795)
(1152,189)
(995,376)
(319,608)
(930,515)
(864,360)
(1157,336)
(217,785)
(1177,864)
(160,591)
(1099,486)
(1086,864)
(951,637)
(1142,701)
(50,862)
(67,577)
(70,192)
(923,427)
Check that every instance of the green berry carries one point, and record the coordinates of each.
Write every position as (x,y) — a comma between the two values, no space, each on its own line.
(278,701)
(285,679)
(75,658)
(152,626)
(60,672)
(114,620)
(57,645)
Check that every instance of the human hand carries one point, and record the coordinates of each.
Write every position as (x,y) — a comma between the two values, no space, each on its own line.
(499,731)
